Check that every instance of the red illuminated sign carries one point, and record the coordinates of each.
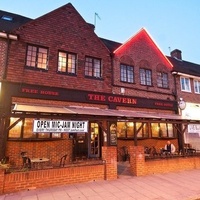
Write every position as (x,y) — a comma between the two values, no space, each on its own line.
(112,99)
(38,91)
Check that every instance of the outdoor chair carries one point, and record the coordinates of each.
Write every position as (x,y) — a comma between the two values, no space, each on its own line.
(26,160)
(5,160)
(62,160)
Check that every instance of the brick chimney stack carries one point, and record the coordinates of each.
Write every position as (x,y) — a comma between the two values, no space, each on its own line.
(176,53)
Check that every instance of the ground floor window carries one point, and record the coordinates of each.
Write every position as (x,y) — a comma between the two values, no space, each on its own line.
(163,130)
(22,128)
(145,130)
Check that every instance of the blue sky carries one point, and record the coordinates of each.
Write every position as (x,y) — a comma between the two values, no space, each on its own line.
(173,24)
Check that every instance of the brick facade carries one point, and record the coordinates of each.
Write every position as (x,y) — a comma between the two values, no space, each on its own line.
(74,173)
(20,181)
(109,154)
(65,30)
(3,56)
(141,52)
(140,167)
(40,149)
(62,29)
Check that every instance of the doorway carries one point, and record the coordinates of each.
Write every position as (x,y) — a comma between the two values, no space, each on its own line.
(87,145)
(80,148)
(94,141)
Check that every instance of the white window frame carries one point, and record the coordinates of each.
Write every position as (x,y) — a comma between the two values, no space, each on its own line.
(185,84)
(197,86)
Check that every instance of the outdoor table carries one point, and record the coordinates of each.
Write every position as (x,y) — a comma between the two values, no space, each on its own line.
(39,163)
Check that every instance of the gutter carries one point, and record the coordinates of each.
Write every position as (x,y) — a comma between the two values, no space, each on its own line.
(186,75)
(8,36)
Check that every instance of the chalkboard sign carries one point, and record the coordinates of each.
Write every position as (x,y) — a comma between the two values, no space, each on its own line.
(113,134)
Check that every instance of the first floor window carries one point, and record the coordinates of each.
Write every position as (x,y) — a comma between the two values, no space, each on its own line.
(67,62)
(37,57)
(197,86)
(162,80)
(185,84)
(93,67)
(126,73)
(145,77)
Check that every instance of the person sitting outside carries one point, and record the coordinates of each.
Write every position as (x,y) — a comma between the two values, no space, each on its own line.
(169,148)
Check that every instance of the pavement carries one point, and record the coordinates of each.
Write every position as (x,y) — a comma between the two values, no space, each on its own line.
(184,185)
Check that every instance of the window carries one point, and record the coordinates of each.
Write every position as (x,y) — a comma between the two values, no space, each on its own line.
(142,129)
(67,63)
(197,86)
(162,80)
(145,77)
(163,130)
(93,67)
(23,129)
(145,130)
(185,84)
(127,74)
(125,129)
(7,18)
(37,57)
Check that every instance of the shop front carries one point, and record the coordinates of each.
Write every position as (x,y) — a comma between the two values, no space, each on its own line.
(53,122)
(192,135)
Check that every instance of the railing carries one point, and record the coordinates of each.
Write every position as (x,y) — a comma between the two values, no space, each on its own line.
(191,153)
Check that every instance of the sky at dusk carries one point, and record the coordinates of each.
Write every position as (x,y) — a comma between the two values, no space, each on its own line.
(173,24)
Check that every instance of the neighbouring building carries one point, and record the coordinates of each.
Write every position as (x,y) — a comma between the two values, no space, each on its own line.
(187,82)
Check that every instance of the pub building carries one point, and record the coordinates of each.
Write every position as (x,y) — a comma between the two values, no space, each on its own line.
(65,91)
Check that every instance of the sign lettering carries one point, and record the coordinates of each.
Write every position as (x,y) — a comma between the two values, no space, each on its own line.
(194,128)
(42,92)
(59,126)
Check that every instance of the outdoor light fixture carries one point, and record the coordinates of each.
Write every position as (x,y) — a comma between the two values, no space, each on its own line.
(122,90)
(182,104)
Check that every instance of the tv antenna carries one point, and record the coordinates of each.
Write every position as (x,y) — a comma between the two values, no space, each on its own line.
(169,50)
(95,17)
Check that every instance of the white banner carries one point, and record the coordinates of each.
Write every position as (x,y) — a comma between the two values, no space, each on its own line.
(193,128)
(60,126)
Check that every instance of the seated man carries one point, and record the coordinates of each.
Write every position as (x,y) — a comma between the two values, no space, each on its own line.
(169,148)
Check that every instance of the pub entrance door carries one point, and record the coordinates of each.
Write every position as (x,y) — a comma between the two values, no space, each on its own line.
(94,141)
(80,148)
(87,145)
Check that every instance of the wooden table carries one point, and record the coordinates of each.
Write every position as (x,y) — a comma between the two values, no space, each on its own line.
(39,163)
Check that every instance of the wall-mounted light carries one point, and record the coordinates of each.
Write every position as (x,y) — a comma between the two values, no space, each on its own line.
(122,90)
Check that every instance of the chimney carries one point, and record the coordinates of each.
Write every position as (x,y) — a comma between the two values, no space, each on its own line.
(176,53)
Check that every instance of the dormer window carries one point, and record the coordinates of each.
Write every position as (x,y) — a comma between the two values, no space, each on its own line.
(7,18)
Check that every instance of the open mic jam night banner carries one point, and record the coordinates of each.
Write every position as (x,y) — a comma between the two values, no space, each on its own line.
(59,126)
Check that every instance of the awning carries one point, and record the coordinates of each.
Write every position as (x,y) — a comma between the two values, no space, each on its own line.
(94,111)
(40,109)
